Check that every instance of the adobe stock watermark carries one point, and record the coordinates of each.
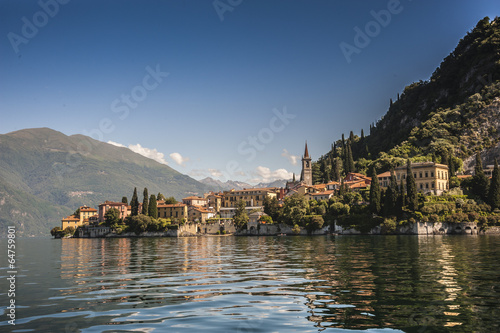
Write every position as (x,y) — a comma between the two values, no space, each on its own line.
(120,106)
(30,28)
(256,143)
(373,28)
(223,6)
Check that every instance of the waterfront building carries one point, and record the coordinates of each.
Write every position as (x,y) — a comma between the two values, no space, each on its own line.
(195,201)
(123,208)
(70,221)
(173,211)
(252,197)
(199,214)
(430,177)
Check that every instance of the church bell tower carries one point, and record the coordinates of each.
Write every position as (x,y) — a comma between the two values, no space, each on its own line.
(306,175)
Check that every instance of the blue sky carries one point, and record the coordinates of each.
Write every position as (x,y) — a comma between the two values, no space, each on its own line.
(228,88)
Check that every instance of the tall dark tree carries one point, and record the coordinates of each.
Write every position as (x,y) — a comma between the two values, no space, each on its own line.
(451,166)
(145,201)
(152,208)
(349,161)
(402,195)
(479,180)
(375,195)
(351,137)
(134,203)
(343,146)
(336,169)
(494,193)
(411,188)
(160,197)
(125,200)
(362,135)
(293,179)
(391,196)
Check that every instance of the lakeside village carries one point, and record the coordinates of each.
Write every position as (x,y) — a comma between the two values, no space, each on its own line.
(411,199)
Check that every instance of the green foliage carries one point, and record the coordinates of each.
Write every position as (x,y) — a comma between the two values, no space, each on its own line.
(295,208)
(494,192)
(240,217)
(266,218)
(112,216)
(69,231)
(375,194)
(145,203)
(479,180)
(55,231)
(134,203)
(152,208)
(296,229)
(170,201)
(313,222)
(411,188)
(125,200)
(140,223)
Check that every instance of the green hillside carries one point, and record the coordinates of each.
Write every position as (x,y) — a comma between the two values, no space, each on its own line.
(45,174)
(452,116)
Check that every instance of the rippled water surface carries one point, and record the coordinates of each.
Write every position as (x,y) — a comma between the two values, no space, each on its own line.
(256,284)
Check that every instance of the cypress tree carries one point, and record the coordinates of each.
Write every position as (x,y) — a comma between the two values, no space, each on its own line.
(152,209)
(402,195)
(494,193)
(479,180)
(145,202)
(391,196)
(349,160)
(362,135)
(374,193)
(411,188)
(134,203)
(451,165)
(125,200)
(293,179)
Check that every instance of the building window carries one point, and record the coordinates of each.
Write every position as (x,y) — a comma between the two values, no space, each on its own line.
(426,174)
(432,174)
(432,184)
(421,186)
(398,176)
(420,174)
(426,185)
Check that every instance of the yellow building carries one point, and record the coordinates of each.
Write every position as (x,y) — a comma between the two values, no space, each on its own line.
(195,201)
(86,213)
(173,211)
(199,214)
(429,177)
(214,200)
(71,221)
(253,197)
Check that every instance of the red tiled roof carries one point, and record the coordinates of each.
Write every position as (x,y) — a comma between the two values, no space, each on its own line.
(71,218)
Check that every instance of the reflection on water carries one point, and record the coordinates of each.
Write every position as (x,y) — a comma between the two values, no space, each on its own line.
(257,284)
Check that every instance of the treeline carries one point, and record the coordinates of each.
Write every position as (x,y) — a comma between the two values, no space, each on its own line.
(397,205)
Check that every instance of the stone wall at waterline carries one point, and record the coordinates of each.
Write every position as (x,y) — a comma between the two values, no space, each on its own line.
(427,228)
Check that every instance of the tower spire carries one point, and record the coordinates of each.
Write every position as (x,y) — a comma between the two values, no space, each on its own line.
(306,152)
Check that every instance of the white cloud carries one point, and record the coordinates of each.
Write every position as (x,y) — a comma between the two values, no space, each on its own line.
(265,175)
(179,159)
(149,153)
(215,173)
(293,159)
(116,144)
(146,152)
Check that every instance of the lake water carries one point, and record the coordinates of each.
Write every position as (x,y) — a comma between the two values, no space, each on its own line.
(256,284)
